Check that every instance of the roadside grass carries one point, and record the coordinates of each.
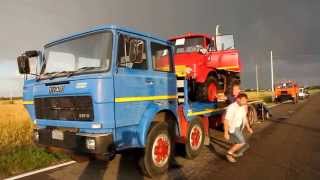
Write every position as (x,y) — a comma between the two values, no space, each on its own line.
(265,96)
(26,158)
(314,91)
(17,151)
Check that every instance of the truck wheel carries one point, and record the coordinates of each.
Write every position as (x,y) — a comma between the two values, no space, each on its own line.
(195,139)
(158,150)
(207,91)
(252,115)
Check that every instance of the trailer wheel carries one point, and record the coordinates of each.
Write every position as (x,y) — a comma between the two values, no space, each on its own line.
(252,115)
(158,150)
(207,91)
(195,139)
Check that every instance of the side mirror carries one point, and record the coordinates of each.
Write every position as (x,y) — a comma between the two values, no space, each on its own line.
(136,51)
(133,51)
(23,64)
(203,51)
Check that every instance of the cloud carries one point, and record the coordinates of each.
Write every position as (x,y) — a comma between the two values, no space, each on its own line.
(289,28)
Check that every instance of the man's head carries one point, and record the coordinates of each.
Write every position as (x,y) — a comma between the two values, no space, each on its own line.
(242,99)
(236,89)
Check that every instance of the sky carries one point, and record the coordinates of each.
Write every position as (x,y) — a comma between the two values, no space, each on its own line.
(289,28)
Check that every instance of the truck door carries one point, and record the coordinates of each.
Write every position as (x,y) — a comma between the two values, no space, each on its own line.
(162,70)
(133,85)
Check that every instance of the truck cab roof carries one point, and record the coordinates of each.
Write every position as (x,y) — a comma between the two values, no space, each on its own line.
(103,28)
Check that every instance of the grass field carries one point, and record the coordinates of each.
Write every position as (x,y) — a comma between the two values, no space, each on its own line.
(17,151)
(265,96)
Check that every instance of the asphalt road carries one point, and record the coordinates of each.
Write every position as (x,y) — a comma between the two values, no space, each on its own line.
(285,147)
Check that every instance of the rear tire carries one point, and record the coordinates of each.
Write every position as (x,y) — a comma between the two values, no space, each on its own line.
(208,90)
(195,139)
(158,150)
(252,115)
(231,81)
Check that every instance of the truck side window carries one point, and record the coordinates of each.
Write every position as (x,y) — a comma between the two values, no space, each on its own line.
(132,53)
(161,57)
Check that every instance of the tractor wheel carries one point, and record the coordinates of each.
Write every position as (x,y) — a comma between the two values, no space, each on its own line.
(208,90)
(158,150)
(252,115)
(195,139)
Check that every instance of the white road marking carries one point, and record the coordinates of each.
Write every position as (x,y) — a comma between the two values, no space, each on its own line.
(40,170)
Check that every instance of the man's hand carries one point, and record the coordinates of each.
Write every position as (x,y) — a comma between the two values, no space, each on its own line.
(250,130)
(227,136)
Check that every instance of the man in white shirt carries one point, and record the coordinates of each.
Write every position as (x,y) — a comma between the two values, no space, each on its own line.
(234,122)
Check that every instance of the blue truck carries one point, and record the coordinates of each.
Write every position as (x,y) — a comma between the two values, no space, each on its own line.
(112,88)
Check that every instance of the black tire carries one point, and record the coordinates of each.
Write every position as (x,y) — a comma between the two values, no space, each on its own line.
(252,115)
(147,163)
(190,151)
(230,82)
(202,89)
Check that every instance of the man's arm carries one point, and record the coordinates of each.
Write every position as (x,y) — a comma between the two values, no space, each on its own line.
(226,121)
(247,125)
(226,129)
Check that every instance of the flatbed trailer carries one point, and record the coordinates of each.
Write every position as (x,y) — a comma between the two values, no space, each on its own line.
(210,114)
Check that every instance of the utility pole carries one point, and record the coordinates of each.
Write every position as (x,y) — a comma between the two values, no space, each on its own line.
(257,79)
(272,80)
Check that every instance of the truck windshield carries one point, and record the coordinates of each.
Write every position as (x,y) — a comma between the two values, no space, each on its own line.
(84,54)
(191,44)
(285,85)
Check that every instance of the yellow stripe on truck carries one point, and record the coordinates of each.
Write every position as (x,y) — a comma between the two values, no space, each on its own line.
(27,102)
(203,112)
(143,98)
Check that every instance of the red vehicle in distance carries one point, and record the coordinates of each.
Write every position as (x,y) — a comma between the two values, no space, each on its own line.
(287,90)
(211,62)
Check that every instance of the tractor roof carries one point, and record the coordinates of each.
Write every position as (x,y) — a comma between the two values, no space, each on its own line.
(189,34)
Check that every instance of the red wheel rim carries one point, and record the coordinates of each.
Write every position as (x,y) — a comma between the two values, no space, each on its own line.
(195,137)
(212,92)
(161,150)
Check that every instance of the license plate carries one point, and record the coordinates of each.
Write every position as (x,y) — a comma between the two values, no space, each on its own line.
(58,135)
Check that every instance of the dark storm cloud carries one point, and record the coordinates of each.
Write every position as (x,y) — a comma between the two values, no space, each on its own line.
(289,27)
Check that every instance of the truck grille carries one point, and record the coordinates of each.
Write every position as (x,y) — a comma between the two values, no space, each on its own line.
(70,108)
(284,92)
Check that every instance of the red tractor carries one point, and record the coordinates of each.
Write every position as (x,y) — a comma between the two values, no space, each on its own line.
(212,63)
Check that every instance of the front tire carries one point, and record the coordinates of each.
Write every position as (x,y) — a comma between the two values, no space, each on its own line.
(158,150)
(195,139)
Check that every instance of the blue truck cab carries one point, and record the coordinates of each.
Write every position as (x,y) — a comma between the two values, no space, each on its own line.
(112,88)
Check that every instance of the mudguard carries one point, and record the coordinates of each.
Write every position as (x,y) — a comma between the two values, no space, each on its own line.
(148,118)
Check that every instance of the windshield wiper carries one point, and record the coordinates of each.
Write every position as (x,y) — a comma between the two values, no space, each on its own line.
(80,70)
(53,75)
